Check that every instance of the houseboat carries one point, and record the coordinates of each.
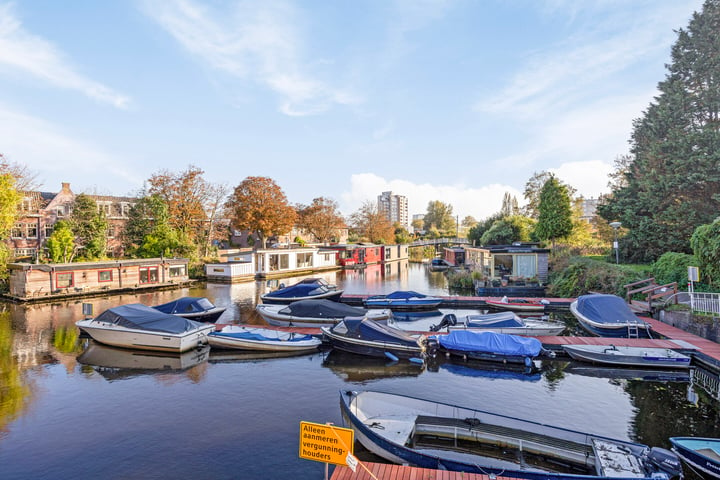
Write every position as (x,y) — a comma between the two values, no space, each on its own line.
(358,255)
(36,281)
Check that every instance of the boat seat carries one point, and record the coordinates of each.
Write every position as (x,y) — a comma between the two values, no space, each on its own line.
(710,453)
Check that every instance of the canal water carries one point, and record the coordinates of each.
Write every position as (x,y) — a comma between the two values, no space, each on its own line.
(70,408)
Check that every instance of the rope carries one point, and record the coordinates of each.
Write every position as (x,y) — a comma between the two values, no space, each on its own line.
(358,460)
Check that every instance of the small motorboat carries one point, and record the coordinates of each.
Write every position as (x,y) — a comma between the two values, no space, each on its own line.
(701,454)
(439,436)
(518,304)
(491,347)
(247,337)
(315,313)
(501,322)
(606,315)
(403,300)
(368,337)
(304,290)
(199,309)
(439,265)
(628,356)
(138,326)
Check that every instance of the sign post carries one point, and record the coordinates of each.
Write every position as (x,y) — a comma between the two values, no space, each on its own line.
(327,443)
(693,276)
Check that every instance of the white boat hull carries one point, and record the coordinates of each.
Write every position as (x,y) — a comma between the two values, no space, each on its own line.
(270,314)
(273,341)
(628,356)
(117,336)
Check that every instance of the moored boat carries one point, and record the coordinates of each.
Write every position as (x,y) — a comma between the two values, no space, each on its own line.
(500,322)
(608,316)
(304,290)
(518,304)
(199,309)
(441,436)
(315,313)
(246,337)
(628,356)
(701,454)
(367,337)
(491,347)
(138,326)
(403,300)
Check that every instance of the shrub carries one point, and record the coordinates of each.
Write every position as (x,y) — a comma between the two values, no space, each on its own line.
(583,275)
(672,267)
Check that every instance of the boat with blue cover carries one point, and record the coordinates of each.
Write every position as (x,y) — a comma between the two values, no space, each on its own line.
(500,322)
(403,300)
(368,337)
(138,326)
(608,316)
(307,289)
(491,347)
(315,313)
(701,454)
(440,436)
(246,337)
(199,309)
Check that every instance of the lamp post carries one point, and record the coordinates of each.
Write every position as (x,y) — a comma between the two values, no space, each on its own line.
(616,226)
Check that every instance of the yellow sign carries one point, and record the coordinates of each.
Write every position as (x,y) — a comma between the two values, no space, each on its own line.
(325,443)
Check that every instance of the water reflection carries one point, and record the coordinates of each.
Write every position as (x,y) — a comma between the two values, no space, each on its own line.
(363,369)
(118,364)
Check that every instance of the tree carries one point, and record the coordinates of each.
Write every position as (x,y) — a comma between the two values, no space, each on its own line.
(372,225)
(469,221)
(90,227)
(533,187)
(25,179)
(148,232)
(61,244)
(259,205)
(440,216)
(321,219)
(9,201)
(476,232)
(509,205)
(506,230)
(401,234)
(554,212)
(671,183)
(705,242)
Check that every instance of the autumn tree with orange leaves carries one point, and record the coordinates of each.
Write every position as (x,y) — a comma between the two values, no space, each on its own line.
(260,206)
(372,225)
(321,218)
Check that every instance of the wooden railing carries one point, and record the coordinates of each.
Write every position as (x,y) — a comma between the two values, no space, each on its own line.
(651,291)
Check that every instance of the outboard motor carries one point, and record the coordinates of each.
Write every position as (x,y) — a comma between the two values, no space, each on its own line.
(666,460)
(448,320)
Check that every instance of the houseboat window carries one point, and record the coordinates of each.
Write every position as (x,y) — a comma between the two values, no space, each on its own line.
(111,231)
(105,276)
(282,262)
(65,280)
(32,231)
(304,259)
(177,271)
(17,231)
(525,266)
(149,275)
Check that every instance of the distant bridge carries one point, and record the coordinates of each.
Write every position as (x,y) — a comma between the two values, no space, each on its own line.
(440,241)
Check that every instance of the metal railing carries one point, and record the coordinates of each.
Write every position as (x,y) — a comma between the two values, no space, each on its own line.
(705,302)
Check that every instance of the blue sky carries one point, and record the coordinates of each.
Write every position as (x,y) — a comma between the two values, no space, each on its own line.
(458,101)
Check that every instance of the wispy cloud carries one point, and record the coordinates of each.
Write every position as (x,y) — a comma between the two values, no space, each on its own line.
(259,41)
(30,54)
(479,202)
(37,144)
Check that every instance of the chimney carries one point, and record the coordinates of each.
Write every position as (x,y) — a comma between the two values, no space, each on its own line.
(66,187)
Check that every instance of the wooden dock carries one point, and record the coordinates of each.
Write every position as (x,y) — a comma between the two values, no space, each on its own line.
(384,471)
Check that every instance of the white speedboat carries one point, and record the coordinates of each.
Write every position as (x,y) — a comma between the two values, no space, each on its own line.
(138,326)
(501,322)
(248,337)
(628,356)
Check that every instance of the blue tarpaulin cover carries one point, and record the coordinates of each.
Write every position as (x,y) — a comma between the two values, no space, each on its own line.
(401,294)
(186,305)
(322,308)
(142,317)
(602,308)
(299,290)
(469,341)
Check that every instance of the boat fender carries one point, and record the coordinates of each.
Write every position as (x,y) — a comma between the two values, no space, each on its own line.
(528,361)
(391,356)
(419,361)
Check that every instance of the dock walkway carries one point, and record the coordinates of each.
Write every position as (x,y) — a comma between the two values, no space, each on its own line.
(374,471)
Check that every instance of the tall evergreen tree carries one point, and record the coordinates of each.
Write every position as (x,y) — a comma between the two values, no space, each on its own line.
(90,227)
(554,211)
(671,184)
